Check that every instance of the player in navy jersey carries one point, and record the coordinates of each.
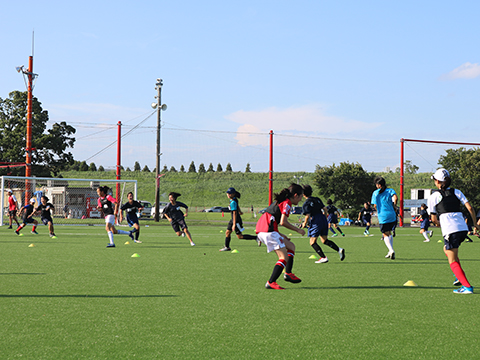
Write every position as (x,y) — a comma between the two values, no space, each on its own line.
(28,212)
(317,223)
(176,217)
(109,206)
(425,223)
(365,216)
(45,209)
(332,218)
(235,223)
(131,207)
(267,231)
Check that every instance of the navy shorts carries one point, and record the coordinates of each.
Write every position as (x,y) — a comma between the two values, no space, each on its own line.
(179,224)
(132,220)
(387,227)
(318,226)
(46,220)
(366,220)
(28,220)
(333,218)
(237,230)
(425,224)
(453,241)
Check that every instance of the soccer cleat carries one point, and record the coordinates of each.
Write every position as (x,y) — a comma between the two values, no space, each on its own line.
(367,232)
(130,233)
(341,252)
(464,290)
(16,232)
(259,243)
(457,282)
(110,245)
(426,240)
(183,234)
(137,241)
(9,227)
(192,243)
(390,255)
(343,234)
(335,235)
(225,249)
(273,286)
(34,232)
(291,277)
(323,260)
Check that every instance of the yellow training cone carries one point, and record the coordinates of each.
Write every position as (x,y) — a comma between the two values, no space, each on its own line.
(31,245)
(235,251)
(313,257)
(440,241)
(127,243)
(410,283)
(290,234)
(135,255)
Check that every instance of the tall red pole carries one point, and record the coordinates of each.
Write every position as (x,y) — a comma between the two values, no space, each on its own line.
(119,150)
(270,172)
(28,159)
(401,180)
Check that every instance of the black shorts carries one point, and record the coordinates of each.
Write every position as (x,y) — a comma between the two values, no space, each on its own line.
(387,227)
(46,220)
(179,224)
(237,227)
(12,213)
(28,220)
(453,241)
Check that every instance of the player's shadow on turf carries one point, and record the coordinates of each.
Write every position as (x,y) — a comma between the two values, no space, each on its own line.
(86,296)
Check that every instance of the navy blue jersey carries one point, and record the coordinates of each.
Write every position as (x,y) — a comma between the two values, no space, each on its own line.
(174,212)
(131,209)
(366,213)
(312,206)
(28,209)
(331,209)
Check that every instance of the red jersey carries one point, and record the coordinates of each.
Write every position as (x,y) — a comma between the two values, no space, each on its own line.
(12,203)
(268,222)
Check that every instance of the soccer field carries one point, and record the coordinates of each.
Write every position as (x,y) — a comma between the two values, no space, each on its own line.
(72,298)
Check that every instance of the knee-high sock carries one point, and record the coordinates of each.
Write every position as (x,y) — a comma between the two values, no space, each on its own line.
(277,270)
(331,229)
(425,235)
(338,228)
(291,255)
(123,232)
(318,250)
(227,241)
(389,243)
(137,233)
(110,236)
(332,245)
(458,271)
(249,237)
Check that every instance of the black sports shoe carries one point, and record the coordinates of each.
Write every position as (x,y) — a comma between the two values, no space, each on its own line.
(341,252)
(457,283)
(110,245)
(291,277)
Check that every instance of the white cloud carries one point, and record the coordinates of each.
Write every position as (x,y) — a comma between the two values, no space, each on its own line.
(464,71)
(303,120)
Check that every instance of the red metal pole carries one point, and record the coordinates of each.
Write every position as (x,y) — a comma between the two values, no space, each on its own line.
(119,150)
(28,159)
(401,179)
(270,172)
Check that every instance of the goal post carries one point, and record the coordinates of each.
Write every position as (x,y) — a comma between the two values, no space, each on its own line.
(74,200)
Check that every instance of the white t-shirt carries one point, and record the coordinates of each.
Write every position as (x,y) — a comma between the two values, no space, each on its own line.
(450,222)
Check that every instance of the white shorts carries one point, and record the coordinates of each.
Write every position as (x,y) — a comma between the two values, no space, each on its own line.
(110,219)
(273,240)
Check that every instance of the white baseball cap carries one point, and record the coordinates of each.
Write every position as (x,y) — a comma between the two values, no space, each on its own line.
(441,175)
(10,191)
(32,200)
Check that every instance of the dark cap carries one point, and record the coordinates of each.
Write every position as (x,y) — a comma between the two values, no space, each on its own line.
(231,190)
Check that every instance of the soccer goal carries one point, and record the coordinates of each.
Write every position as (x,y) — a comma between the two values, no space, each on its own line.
(75,200)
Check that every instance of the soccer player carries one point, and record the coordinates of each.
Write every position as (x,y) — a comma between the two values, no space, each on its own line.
(109,206)
(384,201)
(131,207)
(176,217)
(332,218)
(28,212)
(365,216)
(267,232)
(444,207)
(425,223)
(12,208)
(45,207)
(317,223)
(235,223)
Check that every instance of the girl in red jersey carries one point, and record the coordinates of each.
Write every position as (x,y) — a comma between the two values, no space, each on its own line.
(267,232)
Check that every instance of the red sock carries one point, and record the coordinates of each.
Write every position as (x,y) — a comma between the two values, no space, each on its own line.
(33,228)
(458,272)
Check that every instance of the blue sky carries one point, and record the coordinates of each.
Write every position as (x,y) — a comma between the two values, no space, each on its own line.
(336,80)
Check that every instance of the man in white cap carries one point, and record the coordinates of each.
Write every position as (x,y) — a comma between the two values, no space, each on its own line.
(12,208)
(445,210)
(28,212)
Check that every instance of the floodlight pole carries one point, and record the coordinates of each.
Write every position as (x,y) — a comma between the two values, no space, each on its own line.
(119,153)
(270,172)
(158,87)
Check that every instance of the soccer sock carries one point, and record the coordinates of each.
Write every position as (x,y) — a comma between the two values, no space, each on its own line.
(134,230)
(332,245)
(368,227)
(389,243)
(425,234)
(110,236)
(123,232)
(318,250)
(249,237)
(277,270)
(227,241)
(291,255)
(20,227)
(137,234)
(340,230)
(458,271)
(331,229)
(34,227)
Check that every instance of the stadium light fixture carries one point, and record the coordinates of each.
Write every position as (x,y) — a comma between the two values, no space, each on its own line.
(160,107)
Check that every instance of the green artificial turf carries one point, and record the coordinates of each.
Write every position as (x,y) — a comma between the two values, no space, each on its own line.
(71,297)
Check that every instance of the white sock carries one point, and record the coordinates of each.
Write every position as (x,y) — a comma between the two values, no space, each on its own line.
(123,232)
(110,236)
(425,234)
(388,243)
